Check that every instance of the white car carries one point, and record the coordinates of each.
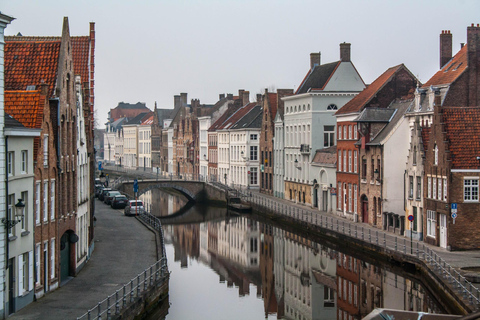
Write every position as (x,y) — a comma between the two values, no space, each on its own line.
(134,207)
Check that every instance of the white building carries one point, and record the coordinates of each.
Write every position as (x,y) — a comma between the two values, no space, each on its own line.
(145,144)
(203,124)
(308,119)
(279,157)
(4,21)
(20,181)
(83,183)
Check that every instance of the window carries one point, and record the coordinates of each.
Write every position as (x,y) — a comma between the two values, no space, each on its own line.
(345,132)
(440,189)
(415,155)
(37,264)
(11,212)
(345,160)
(339,160)
(415,218)
(339,196)
(419,188)
(350,197)
(332,107)
(328,297)
(410,187)
(52,258)
(328,136)
(431,223)
(45,150)
(350,132)
(52,200)
(24,161)
(364,168)
(253,176)
(253,137)
(339,132)
(355,165)
(349,160)
(435,150)
(434,188)
(355,198)
(24,197)
(429,187)
(45,201)
(37,203)
(444,189)
(372,171)
(355,295)
(253,153)
(10,162)
(470,189)
(355,132)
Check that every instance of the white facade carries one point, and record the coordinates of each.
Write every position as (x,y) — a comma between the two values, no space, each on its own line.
(130,146)
(224,157)
(279,158)
(203,124)
(20,250)
(145,146)
(83,183)
(326,177)
(4,21)
(119,156)
(244,158)
(170,147)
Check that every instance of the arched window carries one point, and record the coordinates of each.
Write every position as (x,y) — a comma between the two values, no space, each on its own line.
(332,107)
(415,155)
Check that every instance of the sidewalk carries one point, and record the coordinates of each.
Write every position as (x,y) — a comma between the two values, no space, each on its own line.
(123,249)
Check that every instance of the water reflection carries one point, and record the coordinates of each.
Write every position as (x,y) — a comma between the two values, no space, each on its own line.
(285,275)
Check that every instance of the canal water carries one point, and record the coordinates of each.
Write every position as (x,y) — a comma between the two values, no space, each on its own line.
(228,266)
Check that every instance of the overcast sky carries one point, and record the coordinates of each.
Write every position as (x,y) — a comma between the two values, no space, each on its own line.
(151,50)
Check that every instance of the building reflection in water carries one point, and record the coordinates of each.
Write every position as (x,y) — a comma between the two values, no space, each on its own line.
(295,277)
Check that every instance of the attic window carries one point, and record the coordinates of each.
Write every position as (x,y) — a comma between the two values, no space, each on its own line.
(450,66)
(458,66)
(31,88)
(332,107)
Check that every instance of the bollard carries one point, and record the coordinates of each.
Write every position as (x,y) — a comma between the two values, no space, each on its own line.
(138,286)
(355,231)
(89,315)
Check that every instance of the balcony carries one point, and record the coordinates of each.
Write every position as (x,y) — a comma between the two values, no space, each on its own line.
(304,149)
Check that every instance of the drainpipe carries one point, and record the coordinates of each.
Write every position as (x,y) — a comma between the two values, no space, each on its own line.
(6,217)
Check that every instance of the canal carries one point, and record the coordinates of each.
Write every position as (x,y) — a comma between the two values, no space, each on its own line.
(229,266)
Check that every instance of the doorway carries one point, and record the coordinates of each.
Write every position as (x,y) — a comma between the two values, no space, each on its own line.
(443,230)
(11,285)
(45,267)
(364,209)
(325,200)
(64,257)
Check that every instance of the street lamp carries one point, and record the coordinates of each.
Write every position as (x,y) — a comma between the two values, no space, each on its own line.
(19,207)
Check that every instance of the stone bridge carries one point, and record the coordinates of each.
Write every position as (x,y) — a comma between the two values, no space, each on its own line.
(197,191)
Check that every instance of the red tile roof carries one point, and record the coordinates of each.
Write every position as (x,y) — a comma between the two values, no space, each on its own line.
(80,50)
(462,127)
(451,71)
(31,63)
(26,107)
(364,97)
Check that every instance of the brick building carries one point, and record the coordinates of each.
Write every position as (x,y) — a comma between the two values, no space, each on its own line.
(272,103)
(395,82)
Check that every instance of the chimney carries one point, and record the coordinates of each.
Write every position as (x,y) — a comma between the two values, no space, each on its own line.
(245,97)
(240,94)
(176,102)
(473,62)
(314,59)
(221,96)
(345,52)
(259,98)
(183,99)
(44,89)
(230,96)
(283,93)
(461,45)
(445,47)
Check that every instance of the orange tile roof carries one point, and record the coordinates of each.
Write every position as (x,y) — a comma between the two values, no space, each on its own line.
(462,127)
(31,63)
(26,107)
(361,99)
(451,71)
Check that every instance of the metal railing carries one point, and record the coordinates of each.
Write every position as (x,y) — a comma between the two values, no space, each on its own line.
(155,275)
(458,283)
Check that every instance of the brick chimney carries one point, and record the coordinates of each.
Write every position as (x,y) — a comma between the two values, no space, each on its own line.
(345,52)
(245,97)
(314,59)
(259,98)
(283,93)
(183,99)
(221,96)
(445,47)
(230,96)
(176,102)
(473,62)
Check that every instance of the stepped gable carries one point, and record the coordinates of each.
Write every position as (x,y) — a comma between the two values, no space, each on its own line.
(462,129)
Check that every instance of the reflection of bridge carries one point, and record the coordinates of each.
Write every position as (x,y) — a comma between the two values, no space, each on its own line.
(194,215)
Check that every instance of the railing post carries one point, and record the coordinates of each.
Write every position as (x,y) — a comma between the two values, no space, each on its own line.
(377,237)
(117,304)
(363,234)
(385,240)
(369,235)
(109,312)
(99,307)
(395,243)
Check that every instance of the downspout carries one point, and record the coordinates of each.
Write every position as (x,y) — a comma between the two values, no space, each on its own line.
(6,228)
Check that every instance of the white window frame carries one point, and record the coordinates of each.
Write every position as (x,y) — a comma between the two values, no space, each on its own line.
(435,151)
(37,263)
(11,212)
(349,160)
(445,189)
(52,258)
(470,189)
(45,150)
(45,201)
(24,162)
(350,136)
(355,198)
(355,161)
(429,187)
(10,163)
(24,223)
(340,132)
(439,189)
(52,200)
(434,188)
(37,202)
(355,132)
(349,197)
(344,160)
(431,223)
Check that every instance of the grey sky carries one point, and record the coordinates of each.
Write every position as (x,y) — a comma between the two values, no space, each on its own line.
(151,50)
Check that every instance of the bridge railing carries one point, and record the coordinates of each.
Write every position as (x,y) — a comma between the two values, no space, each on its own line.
(447,274)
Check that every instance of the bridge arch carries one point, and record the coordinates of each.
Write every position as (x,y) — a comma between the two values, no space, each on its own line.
(187,193)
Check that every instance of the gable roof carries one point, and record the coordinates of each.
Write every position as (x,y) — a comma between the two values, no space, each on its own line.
(325,156)
(252,119)
(239,114)
(450,71)
(138,119)
(399,107)
(462,127)
(317,78)
(364,97)
(30,63)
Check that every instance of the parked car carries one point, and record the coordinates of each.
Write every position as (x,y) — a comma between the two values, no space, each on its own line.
(98,189)
(134,207)
(119,202)
(102,194)
(109,196)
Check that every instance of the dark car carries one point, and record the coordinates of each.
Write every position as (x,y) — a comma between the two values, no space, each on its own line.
(119,202)
(101,195)
(98,189)
(134,207)
(109,196)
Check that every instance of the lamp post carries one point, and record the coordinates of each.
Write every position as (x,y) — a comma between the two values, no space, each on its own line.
(19,208)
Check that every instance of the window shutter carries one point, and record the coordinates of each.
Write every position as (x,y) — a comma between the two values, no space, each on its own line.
(30,270)
(20,275)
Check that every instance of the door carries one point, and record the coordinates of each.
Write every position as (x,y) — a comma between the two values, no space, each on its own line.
(64,257)
(45,268)
(443,230)
(11,286)
(364,209)
(325,200)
